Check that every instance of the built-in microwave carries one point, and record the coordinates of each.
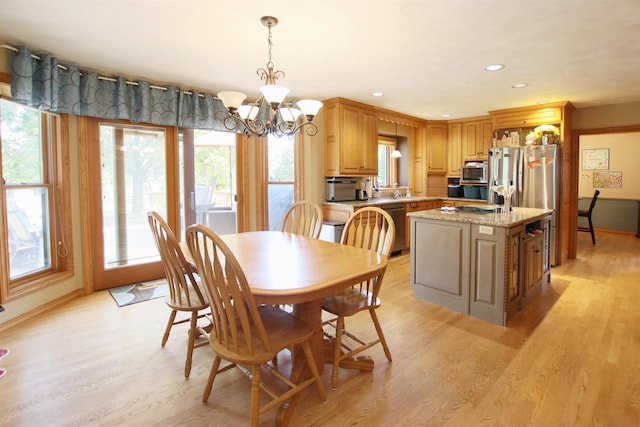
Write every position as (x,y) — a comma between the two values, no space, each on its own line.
(474,172)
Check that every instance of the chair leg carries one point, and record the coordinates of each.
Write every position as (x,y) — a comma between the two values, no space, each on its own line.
(192,338)
(212,376)
(336,351)
(314,370)
(172,318)
(376,323)
(593,235)
(255,394)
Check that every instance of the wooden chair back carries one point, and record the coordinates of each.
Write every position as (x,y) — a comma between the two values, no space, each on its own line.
(179,273)
(370,228)
(237,325)
(303,218)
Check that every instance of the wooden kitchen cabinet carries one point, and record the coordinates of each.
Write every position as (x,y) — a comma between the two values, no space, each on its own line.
(351,138)
(437,147)
(526,117)
(454,149)
(477,138)
(419,173)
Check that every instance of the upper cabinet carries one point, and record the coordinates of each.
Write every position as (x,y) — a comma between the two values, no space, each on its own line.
(469,139)
(526,117)
(437,148)
(454,149)
(351,138)
(477,138)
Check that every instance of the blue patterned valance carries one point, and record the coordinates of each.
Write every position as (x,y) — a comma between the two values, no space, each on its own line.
(44,84)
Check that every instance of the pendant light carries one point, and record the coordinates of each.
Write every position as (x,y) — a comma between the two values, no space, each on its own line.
(395,154)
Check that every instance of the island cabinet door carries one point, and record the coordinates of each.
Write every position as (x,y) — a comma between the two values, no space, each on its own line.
(488,273)
(440,262)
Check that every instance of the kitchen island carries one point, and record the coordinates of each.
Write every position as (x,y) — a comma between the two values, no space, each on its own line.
(485,264)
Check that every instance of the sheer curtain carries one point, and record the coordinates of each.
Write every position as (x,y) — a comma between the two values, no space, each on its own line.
(45,84)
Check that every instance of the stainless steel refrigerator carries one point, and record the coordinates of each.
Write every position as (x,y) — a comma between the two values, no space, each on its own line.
(534,170)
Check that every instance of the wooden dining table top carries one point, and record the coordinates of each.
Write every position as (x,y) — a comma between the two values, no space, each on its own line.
(285,268)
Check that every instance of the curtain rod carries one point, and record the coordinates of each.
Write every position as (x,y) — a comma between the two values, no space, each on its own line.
(109,79)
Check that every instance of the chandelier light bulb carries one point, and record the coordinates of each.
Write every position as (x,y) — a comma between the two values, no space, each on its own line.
(248,111)
(309,107)
(232,100)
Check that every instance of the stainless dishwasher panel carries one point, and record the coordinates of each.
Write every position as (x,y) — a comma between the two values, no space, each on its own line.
(399,214)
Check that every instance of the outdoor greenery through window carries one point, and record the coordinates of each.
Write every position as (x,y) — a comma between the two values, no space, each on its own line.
(387,172)
(281,183)
(34,242)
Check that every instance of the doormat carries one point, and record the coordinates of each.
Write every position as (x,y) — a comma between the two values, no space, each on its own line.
(139,292)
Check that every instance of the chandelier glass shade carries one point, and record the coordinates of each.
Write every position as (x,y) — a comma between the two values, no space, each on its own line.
(271,113)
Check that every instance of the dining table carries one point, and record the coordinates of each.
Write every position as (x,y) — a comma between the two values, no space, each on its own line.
(290,269)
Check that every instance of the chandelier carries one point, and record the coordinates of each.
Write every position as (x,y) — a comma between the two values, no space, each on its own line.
(270,113)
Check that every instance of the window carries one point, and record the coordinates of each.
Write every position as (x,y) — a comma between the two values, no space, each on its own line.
(35,168)
(281,178)
(387,166)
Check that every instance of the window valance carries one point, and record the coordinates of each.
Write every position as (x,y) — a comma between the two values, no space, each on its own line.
(40,81)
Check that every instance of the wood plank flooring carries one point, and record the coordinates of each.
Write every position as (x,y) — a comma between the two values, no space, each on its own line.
(571,358)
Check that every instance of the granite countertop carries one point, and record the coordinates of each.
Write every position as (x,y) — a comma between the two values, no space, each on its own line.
(389,200)
(518,216)
(382,201)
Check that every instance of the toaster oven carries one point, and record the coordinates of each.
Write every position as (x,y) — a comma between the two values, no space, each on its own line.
(341,189)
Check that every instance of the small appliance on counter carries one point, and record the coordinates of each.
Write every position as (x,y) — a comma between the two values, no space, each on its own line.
(341,189)
(364,189)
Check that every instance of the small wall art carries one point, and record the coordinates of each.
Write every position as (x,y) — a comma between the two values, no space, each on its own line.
(594,159)
(609,179)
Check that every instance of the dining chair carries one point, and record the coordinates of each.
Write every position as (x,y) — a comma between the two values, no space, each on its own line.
(184,294)
(303,217)
(586,213)
(246,334)
(368,228)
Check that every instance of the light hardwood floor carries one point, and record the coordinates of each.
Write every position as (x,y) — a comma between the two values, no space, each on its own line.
(571,358)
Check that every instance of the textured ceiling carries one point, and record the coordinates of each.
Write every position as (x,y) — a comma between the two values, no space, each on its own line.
(426,56)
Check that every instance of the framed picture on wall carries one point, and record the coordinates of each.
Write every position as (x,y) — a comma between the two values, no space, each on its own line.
(607,179)
(595,159)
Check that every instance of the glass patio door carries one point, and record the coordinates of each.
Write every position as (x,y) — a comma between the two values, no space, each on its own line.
(209,180)
(131,177)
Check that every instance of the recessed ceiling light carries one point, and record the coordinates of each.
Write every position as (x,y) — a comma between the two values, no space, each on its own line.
(377,94)
(446,115)
(519,85)
(494,67)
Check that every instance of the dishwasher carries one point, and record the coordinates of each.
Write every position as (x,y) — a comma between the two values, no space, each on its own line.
(399,215)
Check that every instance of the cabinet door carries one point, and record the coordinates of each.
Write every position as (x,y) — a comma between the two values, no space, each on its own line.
(470,131)
(435,274)
(369,140)
(514,289)
(487,276)
(486,137)
(436,147)
(454,157)
(533,252)
(351,150)
(527,118)
(419,173)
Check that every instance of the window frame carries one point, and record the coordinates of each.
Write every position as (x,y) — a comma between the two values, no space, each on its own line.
(392,164)
(56,178)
